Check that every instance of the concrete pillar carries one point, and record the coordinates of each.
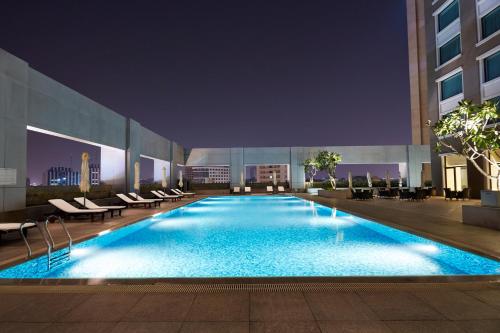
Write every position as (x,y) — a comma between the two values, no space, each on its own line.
(236,165)
(298,178)
(133,151)
(13,133)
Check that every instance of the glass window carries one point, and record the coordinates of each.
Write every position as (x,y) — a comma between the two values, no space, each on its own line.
(448,15)
(495,100)
(492,67)
(451,86)
(449,50)
(490,23)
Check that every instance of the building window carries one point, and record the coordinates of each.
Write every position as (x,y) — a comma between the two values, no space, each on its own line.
(448,15)
(449,50)
(492,67)
(451,86)
(490,23)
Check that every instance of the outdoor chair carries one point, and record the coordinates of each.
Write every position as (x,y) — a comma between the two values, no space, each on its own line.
(449,194)
(91,205)
(68,210)
(281,189)
(236,190)
(21,228)
(248,189)
(131,202)
(136,196)
(165,196)
(184,194)
(179,197)
(464,194)
(269,189)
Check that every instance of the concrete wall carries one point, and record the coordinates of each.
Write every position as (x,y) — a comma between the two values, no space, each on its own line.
(408,157)
(31,100)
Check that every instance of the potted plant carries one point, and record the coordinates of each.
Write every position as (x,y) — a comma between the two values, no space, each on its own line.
(311,168)
(473,131)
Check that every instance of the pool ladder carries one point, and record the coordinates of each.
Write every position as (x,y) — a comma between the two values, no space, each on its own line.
(49,240)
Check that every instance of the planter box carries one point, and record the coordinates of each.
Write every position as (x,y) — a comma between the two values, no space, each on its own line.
(338,194)
(487,217)
(490,198)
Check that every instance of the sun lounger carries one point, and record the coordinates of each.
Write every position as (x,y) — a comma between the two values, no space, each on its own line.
(131,202)
(269,189)
(165,196)
(136,196)
(91,205)
(248,189)
(184,194)
(281,189)
(69,210)
(236,190)
(22,228)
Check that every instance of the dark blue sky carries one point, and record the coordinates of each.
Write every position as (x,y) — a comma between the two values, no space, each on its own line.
(229,73)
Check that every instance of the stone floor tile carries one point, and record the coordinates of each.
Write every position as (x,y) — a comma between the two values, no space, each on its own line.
(161,307)
(44,307)
(147,327)
(80,328)
(220,307)
(429,326)
(338,306)
(102,307)
(399,306)
(284,327)
(22,327)
(479,326)
(360,326)
(279,307)
(457,305)
(215,327)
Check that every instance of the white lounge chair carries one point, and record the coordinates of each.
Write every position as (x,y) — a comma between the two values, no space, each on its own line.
(91,205)
(281,189)
(248,189)
(136,196)
(69,210)
(131,202)
(22,228)
(269,189)
(236,190)
(165,196)
(184,194)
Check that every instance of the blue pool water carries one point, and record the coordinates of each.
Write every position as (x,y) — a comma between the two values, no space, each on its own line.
(252,236)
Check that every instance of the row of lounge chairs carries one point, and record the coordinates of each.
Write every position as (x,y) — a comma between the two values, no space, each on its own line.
(464,194)
(248,189)
(361,194)
(402,194)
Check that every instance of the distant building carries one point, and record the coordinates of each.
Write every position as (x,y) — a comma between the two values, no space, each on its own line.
(95,174)
(265,173)
(62,176)
(208,175)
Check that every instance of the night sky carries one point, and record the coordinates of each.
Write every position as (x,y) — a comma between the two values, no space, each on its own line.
(229,73)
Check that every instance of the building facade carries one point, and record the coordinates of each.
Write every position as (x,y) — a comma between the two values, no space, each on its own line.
(208,175)
(62,176)
(454,54)
(264,173)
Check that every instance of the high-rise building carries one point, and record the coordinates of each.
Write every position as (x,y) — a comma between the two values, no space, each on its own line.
(265,173)
(62,176)
(454,54)
(208,175)
(95,174)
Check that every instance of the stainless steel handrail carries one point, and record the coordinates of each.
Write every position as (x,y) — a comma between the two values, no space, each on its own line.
(47,242)
(21,231)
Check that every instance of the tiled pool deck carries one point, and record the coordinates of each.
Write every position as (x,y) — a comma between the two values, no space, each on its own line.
(340,307)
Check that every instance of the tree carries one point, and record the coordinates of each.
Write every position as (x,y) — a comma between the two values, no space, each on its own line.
(472,131)
(311,168)
(328,161)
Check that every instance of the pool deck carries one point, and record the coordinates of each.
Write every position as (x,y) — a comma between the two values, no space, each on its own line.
(434,218)
(472,306)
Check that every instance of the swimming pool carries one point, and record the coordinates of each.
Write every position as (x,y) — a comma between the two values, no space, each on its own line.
(257,236)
